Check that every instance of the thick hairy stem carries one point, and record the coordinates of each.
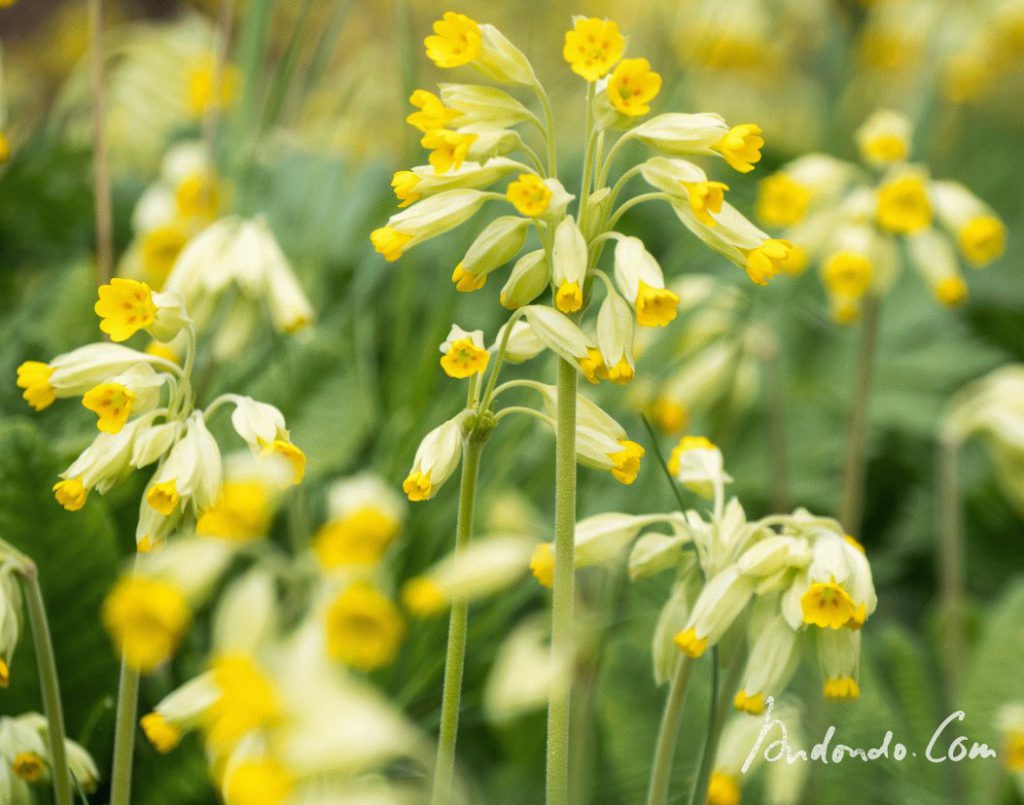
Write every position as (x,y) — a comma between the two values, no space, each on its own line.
(124,736)
(100,164)
(564,587)
(850,510)
(444,768)
(48,682)
(668,733)
(951,570)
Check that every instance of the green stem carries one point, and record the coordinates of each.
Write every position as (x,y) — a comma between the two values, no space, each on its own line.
(588,160)
(48,682)
(444,768)
(668,733)
(951,572)
(564,587)
(631,203)
(850,510)
(719,707)
(124,735)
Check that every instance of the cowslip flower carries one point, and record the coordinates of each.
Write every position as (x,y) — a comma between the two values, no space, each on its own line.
(364,516)
(463,353)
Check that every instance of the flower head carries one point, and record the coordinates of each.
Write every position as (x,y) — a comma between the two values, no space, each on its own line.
(903,204)
(463,353)
(456,41)
(781,200)
(632,86)
(432,114)
(146,618)
(593,46)
(364,628)
(34,378)
(125,307)
(529,195)
(741,146)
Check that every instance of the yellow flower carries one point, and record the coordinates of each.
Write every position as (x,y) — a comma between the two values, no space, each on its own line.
(124,307)
(827,605)
(842,687)
(903,205)
(723,789)
(781,200)
(627,462)
(467,282)
(688,643)
(389,242)
(164,497)
(752,703)
(5,146)
(621,372)
(432,114)
(741,146)
(28,766)
(1013,752)
(593,46)
(360,538)
(767,260)
(542,564)
(671,416)
(200,83)
(146,618)
(464,358)
(982,239)
(449,148)
(847,274)
(404,184)
(422,597)
(34,378)
(687,443)
(456,41)
(706,198)
(162,735)
(198,195)
(655,307)
(529,195)
(950,291)
(417,485)
(794,263)
(247,701)
(158,249)
(112,403)
(71,494)
(5,675)
(885,148)
(592,366)
(632,86)
(242,513)
(569,297)
(364,629)
(257,782)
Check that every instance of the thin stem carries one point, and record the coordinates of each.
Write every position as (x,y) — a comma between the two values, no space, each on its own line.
(668,732)
(719,707)
(588,159)
(559,702)
(100,164)
(444,768)
(663,464)
(521,409)
(621,183)
(612,153)
(124,735)
(48,681)
(631,203)
(951,559)
(499,359)
(850,509)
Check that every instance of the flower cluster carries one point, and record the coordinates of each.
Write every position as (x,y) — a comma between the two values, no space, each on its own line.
(26,762)
(146,415)
(838,216)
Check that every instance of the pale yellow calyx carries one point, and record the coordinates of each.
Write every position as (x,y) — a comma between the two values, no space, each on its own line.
(464,359)
(28,766)
(982,239)
(164,497)
(34,378)
(627,461)
(592,47)
(466,282)
(827,605)
(417,485)
(741,146)
(432,114)
(163,736)
(293,455)
(364,629)
(70,494)
(632,86)
(767,260)
(448,149)
(569,297)
(752,703)
(125,306)
(655,307)
(146,618)
(456,41)
(542,564)
(529,195)
(903,205)
(112,403)
(358,539)
(422,597)
(685,444)
(781,200)
(843,688)
(951,291)
(390,242)
(688,643)
(706,199)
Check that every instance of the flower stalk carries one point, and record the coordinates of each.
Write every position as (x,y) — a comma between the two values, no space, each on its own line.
(668,732)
